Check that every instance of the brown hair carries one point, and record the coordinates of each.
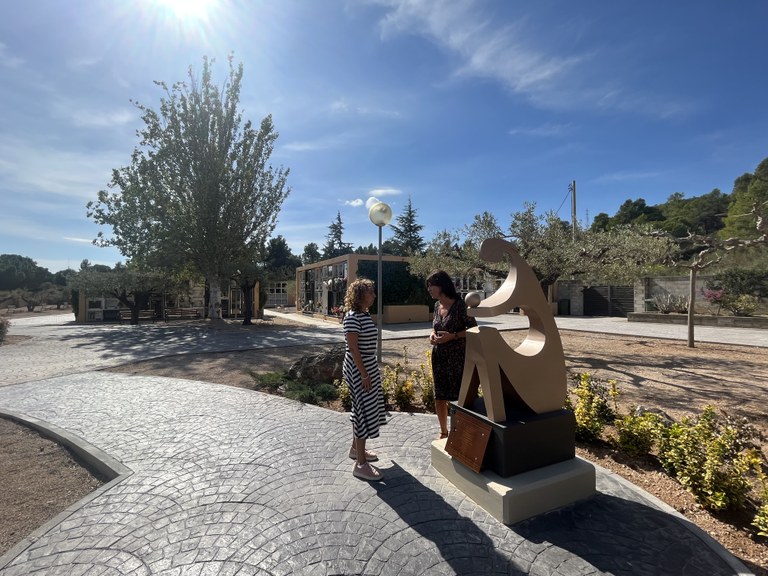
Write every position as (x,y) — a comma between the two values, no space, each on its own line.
(353,300)
(444,282)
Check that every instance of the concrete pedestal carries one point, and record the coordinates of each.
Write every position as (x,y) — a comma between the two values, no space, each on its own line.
(522,496)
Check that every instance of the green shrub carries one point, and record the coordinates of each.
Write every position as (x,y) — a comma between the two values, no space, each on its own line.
(326,392)
(636,432)
(711,457)
(761,518)
(591,407)
(267,382)
(342,391)
(741,305)
(4,325)
(405,395)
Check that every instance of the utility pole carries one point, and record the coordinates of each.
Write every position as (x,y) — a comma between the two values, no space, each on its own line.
(572,189)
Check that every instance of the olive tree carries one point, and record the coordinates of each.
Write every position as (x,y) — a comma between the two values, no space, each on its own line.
(199,191)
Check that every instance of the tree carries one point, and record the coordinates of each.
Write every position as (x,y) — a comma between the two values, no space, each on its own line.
(749,192)
(311,254)
(335,245)
(407,237)
(21,272)
(199,189)
(131,285)
(279,262)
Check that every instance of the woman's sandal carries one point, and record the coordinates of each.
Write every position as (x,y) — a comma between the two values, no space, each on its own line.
(443,435)
(367,472)
(369,456)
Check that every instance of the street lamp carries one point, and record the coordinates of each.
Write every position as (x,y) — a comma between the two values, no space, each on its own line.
(380,214)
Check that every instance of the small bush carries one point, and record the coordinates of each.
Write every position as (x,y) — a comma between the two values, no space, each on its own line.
(591,407)
(342,392)
(666,303)
(761,518)
(711,457)
(636,433)
(405,395)
(741,305)
(4,325)
(267,382)
(326,392)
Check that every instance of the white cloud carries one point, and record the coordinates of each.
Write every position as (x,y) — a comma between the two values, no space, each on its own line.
(523,58)
(37,169)
(625,176)
(83,63)
(485,49)
(354,203)
(79,240)
(544,130)
(92,119)
(342,107)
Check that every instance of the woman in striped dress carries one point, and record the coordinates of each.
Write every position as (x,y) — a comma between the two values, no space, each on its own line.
(361,373)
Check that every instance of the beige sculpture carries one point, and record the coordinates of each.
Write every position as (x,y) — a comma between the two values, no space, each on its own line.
(531,376)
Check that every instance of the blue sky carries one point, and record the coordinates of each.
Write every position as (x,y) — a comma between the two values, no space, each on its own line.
(464,106)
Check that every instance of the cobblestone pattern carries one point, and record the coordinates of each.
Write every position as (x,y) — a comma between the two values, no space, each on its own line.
(229,481)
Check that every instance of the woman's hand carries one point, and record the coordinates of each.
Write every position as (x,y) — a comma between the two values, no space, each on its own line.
(367,383)
(441,337)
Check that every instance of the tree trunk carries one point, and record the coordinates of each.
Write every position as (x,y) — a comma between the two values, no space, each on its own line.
(214,303)
(691,305)
(247,287)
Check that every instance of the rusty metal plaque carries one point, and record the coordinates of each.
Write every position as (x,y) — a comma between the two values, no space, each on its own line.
(468,440)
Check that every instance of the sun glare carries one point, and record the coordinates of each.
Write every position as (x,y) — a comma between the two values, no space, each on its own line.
(188,9)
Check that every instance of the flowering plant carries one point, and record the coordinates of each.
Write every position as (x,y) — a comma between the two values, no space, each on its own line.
(337,310)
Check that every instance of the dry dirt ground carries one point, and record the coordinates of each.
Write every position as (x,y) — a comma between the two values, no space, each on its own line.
(654,373)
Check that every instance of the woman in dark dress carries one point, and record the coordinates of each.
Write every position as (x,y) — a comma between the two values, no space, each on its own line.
(449,330)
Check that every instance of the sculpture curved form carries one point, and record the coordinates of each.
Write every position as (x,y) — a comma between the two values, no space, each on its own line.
(529,378)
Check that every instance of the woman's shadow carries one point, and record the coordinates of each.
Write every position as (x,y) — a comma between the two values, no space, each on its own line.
(607,533)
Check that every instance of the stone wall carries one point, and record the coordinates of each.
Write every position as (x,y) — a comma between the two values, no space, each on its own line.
(647,288)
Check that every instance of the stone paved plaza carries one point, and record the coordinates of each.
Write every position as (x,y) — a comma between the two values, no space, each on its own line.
(222,480)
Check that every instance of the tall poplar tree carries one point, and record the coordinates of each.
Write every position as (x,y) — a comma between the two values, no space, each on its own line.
(199,190)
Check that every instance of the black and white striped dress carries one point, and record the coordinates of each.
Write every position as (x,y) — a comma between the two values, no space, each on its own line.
(367,407)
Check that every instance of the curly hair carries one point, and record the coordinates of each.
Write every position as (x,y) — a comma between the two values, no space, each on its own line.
(353,300)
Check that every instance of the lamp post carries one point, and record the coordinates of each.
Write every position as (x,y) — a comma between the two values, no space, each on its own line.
(380,215)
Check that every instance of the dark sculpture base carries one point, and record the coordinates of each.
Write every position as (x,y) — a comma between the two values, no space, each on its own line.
(525,441)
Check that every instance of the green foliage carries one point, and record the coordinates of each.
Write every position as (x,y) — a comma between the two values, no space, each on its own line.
(335,245)
(400,384)
(636,433)
(199,190)
(268,382)
(761,518)
(737,281)
(4,325)
(21,272)
(742,305)
(342,391)
(407,237)
(311,254)
(426,383)
(748,190)
(405,395)
(591,407)
(711,457)
(301,391)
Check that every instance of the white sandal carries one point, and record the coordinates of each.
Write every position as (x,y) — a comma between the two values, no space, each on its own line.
(369,456)
(372,474)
